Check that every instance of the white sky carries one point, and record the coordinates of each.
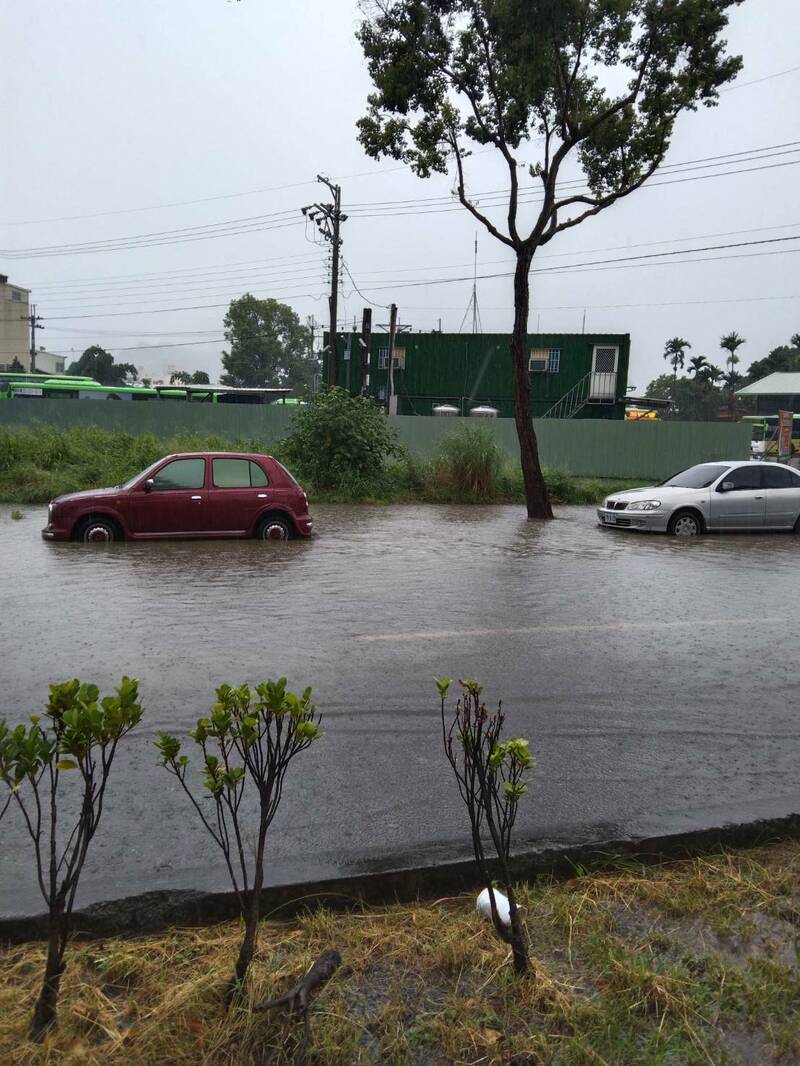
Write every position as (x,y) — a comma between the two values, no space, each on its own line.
(113,107)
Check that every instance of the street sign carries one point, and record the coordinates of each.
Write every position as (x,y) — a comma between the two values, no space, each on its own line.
(785,422)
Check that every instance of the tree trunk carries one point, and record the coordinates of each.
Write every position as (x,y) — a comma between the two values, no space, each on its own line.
(519,945)
(248,946)
(536,499)
(45,1012)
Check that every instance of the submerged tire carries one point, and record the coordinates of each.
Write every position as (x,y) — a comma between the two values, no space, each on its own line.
(274,527)
(97,531)
(685,524)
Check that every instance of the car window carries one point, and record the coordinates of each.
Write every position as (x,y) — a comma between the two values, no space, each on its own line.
(237,474)
(696,477)
(776,477)
(744,477)
(181,474)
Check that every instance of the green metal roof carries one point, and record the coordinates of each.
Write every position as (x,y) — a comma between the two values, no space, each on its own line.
(782,384)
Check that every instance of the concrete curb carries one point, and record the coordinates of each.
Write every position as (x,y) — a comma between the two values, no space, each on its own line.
(151,912)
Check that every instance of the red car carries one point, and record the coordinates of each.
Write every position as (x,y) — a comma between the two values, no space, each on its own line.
(195,494)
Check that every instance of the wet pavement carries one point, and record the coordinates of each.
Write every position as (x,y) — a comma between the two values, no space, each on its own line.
(656,679)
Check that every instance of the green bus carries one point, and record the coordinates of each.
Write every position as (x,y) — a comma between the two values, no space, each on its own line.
(35,386)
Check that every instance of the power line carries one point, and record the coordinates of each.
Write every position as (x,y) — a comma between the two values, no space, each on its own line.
(662,257)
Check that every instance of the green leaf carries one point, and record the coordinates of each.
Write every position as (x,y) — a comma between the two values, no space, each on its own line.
(66,764)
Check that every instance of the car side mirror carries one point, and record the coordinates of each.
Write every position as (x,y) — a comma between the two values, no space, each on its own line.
(148,485)
(727,486)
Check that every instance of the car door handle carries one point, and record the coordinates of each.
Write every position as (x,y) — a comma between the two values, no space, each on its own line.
(262,496)
(758,497)
(198,498)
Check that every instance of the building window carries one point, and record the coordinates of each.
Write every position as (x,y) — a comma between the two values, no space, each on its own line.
(382,393)
(545,361)
(383,359)
(16,296)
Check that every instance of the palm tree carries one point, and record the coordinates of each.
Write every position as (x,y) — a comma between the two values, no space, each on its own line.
(674,354)
(697,365)
(730,343)
(712,373)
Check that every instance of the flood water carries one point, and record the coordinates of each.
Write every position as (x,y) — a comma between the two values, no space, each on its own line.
(654,678)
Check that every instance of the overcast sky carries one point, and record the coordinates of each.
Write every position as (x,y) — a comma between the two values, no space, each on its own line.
(116,113)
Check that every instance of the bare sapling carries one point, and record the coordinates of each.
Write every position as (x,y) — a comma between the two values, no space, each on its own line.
(246,746)
(57,771)
(489,773)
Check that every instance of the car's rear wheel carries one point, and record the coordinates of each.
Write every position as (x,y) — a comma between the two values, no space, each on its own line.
(274,527)
(97,531)
(685,524)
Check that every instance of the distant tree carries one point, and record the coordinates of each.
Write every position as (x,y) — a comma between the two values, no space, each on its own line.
(784,359)
(99,364)
(693,399)
(675,354)
(16,366)
(599,83)
(731,343)
(269,346)
(183,377)
(698,365)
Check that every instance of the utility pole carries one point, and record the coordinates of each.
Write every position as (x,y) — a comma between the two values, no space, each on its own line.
(328,219)
(366,332)
(34,321)
(390,369)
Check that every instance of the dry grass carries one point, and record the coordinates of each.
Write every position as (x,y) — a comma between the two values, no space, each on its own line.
(686,962)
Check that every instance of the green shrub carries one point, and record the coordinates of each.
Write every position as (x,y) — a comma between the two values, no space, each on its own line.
(469,461)
(340,441)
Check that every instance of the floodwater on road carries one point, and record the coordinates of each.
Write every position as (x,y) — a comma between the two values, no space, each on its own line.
(654,678)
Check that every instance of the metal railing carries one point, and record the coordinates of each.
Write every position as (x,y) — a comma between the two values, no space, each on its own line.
(592,388)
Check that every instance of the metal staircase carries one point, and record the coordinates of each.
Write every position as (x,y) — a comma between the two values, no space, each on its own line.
(592,388)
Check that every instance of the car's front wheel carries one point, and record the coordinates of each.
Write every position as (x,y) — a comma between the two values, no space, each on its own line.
(685,524)
(97,531)
(274,527)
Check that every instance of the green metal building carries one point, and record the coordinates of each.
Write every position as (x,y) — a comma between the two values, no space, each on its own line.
(573,375)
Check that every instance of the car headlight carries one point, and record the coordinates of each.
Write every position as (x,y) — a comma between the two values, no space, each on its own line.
(644,505)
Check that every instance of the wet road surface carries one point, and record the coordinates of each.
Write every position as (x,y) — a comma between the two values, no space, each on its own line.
(655,679)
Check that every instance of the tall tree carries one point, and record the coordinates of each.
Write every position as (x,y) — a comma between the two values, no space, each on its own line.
(698,364)
(269,346)
(675,354)
(501,72)
(200,377)
(99,364)
(180,377)
(731,343)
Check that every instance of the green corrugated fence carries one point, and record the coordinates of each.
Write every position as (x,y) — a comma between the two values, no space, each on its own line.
(584,447)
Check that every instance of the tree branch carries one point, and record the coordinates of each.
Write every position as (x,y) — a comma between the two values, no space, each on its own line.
(462,196)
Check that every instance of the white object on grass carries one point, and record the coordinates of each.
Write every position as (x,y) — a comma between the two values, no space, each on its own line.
(484,906)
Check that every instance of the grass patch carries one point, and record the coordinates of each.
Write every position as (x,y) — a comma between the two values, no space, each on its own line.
(40,462)
(623,975)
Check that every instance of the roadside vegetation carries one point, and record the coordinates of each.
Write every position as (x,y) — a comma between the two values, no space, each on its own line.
(686,962)
(40,462)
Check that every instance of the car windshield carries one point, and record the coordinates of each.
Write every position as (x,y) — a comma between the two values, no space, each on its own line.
(697,477)
(143,473)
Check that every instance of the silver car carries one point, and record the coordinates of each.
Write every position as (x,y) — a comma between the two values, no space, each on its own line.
(711,497)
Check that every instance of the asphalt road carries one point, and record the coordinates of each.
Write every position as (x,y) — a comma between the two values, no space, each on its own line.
(656,680)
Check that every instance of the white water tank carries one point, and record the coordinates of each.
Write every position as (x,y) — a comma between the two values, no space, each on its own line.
(446,410)
(484,411)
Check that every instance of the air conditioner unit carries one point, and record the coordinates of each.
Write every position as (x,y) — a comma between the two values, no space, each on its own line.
(538,362)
